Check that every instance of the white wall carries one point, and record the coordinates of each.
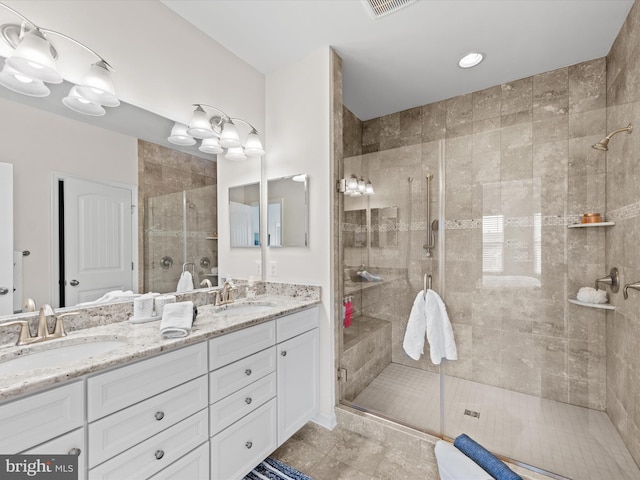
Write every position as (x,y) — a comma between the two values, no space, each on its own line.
(298,101)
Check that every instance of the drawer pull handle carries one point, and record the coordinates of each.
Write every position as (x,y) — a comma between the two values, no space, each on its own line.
(283,353)
(247,372)
(159,415)
(248,400)
(159,454)
(75,451)
(248,444)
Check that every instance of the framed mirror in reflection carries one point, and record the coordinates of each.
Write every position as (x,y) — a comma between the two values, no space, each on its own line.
(288,211)
(244,216)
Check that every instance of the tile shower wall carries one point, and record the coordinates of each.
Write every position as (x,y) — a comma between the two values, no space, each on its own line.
(163,175)
(623,206)
(517,169)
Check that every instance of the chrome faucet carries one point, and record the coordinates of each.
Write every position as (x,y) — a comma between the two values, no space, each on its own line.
(43,333)
(226,296)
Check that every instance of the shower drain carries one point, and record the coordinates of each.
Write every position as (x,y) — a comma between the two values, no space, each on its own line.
(472,413)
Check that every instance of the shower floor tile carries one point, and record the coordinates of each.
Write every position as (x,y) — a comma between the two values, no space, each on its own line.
(572,441)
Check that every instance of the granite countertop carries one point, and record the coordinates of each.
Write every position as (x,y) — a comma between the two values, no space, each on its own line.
(139,341)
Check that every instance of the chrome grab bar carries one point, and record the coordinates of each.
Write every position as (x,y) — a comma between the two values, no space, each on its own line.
(431,243)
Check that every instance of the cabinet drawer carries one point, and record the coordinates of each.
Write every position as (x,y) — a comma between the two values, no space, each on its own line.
(156,453)
(115,390)
(126,428)
(232,408)
(234,346)
(193,466)
(239,448)
(229,379)
(291,325)
(65,445)
(33,420)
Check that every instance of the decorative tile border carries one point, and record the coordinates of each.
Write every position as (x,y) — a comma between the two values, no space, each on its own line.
(624,213)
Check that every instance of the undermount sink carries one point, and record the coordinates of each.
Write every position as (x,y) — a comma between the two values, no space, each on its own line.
(245,308)
(58,356)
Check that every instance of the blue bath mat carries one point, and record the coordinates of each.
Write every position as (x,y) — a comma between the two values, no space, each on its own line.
(271,469)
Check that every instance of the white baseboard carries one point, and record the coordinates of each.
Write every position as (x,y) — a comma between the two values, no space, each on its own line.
(327,421)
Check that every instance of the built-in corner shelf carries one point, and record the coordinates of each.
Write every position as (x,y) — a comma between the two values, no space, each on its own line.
(210,238)
(585,225)
(602,306)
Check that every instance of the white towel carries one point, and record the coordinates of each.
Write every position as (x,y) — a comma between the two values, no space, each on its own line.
(177,319)
(591,295)
(110,297)
(429,318)
(185,284)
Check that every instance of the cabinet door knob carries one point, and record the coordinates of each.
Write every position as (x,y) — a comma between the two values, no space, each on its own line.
(4,290)
(159,415)
(74,283)
(159,454)
(247,371)
(248,400)
(283,353)
(75,451)
(248,445)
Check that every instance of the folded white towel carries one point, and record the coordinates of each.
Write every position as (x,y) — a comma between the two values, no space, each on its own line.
(591,295)
(429,318)
(177,319)
(185,284)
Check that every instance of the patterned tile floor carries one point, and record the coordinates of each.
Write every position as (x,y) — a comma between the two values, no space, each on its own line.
(575,442)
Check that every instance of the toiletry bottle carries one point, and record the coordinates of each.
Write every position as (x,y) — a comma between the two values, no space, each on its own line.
(251,288)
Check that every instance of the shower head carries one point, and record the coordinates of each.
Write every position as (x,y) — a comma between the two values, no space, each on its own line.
(603,144)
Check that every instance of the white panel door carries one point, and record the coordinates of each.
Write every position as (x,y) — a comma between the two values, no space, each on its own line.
(98,240)
(6,239)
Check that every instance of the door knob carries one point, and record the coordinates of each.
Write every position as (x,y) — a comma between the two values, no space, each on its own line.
(74,283)
(4,291)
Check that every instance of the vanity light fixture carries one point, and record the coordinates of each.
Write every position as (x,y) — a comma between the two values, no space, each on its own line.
(471,59)
(217,132)
(33,63)
(355,186)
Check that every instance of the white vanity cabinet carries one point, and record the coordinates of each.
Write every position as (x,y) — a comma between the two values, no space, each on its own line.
(263,387)
(34,420)
(146,416)
(297,353)
(242,390)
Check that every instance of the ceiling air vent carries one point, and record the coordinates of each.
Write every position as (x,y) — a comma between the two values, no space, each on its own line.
(380,8)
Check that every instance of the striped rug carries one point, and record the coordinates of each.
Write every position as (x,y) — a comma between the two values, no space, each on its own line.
(271,469)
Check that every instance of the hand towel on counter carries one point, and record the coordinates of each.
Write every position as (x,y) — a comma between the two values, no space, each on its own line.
(429,318)
(177,319)
(185,284)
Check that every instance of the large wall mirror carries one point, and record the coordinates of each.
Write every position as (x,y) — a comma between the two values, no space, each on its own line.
(244,215)
(176,209)
(288,211)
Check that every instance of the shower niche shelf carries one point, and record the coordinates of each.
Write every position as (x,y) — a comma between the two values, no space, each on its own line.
(601,306)
(587,225)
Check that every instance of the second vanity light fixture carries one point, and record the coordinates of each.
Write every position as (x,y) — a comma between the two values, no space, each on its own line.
(217,132)
(33,63)
(355,186)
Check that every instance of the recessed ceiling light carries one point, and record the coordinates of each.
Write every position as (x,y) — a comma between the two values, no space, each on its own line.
(471,60)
